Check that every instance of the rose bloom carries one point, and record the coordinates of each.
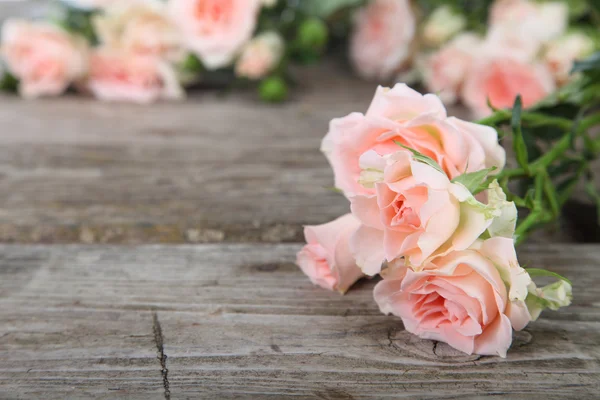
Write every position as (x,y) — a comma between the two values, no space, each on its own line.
(507,42)
(120,76)
(382,38)
(215,30)
(446,69)
(443,23)
(470,299)
(415,213)
(45,58)
(141,28)
(531,20)
(563,52)
(415,120)
(500,80)
(326,259)
(260,56)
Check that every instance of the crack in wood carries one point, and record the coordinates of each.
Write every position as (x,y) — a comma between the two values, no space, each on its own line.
(162,357)
(435,344)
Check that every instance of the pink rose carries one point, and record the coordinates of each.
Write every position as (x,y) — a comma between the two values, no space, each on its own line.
(326,259)
(446,69)
(45,58)
(561,53)
(383,35)
(417,121)
(416,213)
(120,76)
(260,56)
(141,28)
(215,30)
(506,42)
(470,299)
(531,20)
(500,80)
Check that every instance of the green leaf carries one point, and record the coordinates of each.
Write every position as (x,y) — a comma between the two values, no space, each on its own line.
(9,83)
(334,189)
(535,272)
(519,145)
(192,64)
(422,158)
(589,64)
(476,181)
(326,8)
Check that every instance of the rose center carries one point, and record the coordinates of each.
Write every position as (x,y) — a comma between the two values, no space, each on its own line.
(213,11)
(404,215)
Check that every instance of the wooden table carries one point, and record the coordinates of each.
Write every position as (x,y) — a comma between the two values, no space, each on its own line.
(231,321)
(91,308)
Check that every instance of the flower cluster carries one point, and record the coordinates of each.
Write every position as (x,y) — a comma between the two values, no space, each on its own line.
(526,48)
(428,215)
(146,50)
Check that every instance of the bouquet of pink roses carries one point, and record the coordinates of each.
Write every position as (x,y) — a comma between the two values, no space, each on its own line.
(146,50)
(433,214)
(476,52)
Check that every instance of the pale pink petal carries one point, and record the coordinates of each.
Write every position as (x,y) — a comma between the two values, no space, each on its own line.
(365,209)
(496,338)
(311,260)
(346,270)
(424,174)
(487,138)
(518,314)
(367,247)
(388,102)
(466,344)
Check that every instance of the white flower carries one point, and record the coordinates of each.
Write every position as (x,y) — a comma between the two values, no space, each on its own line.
(553,296)
(260,56)
(442,24)
(141,28)
(562,52)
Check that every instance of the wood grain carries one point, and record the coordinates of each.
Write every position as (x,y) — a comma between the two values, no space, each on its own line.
(205,170)
(240,321)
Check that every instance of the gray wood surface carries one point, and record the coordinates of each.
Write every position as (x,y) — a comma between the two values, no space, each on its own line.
(210,169)
(241,321)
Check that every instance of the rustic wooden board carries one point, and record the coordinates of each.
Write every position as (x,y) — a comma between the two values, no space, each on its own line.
(241,321)
(212,168)
(24,8)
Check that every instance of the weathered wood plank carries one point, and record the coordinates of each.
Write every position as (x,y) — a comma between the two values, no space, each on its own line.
(241,321)
(208,169)
(23,8)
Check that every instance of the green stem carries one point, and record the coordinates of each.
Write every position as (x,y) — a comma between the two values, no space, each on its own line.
(544,161)
(496,118)
(512,173)
(522,230)
(535,119)
(589,122)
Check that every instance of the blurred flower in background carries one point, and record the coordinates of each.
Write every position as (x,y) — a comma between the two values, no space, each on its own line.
(443,24)
(382,39)
(475,52)
(260,56)
(45,58)
(141,28)
(117,75)
(215,30)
